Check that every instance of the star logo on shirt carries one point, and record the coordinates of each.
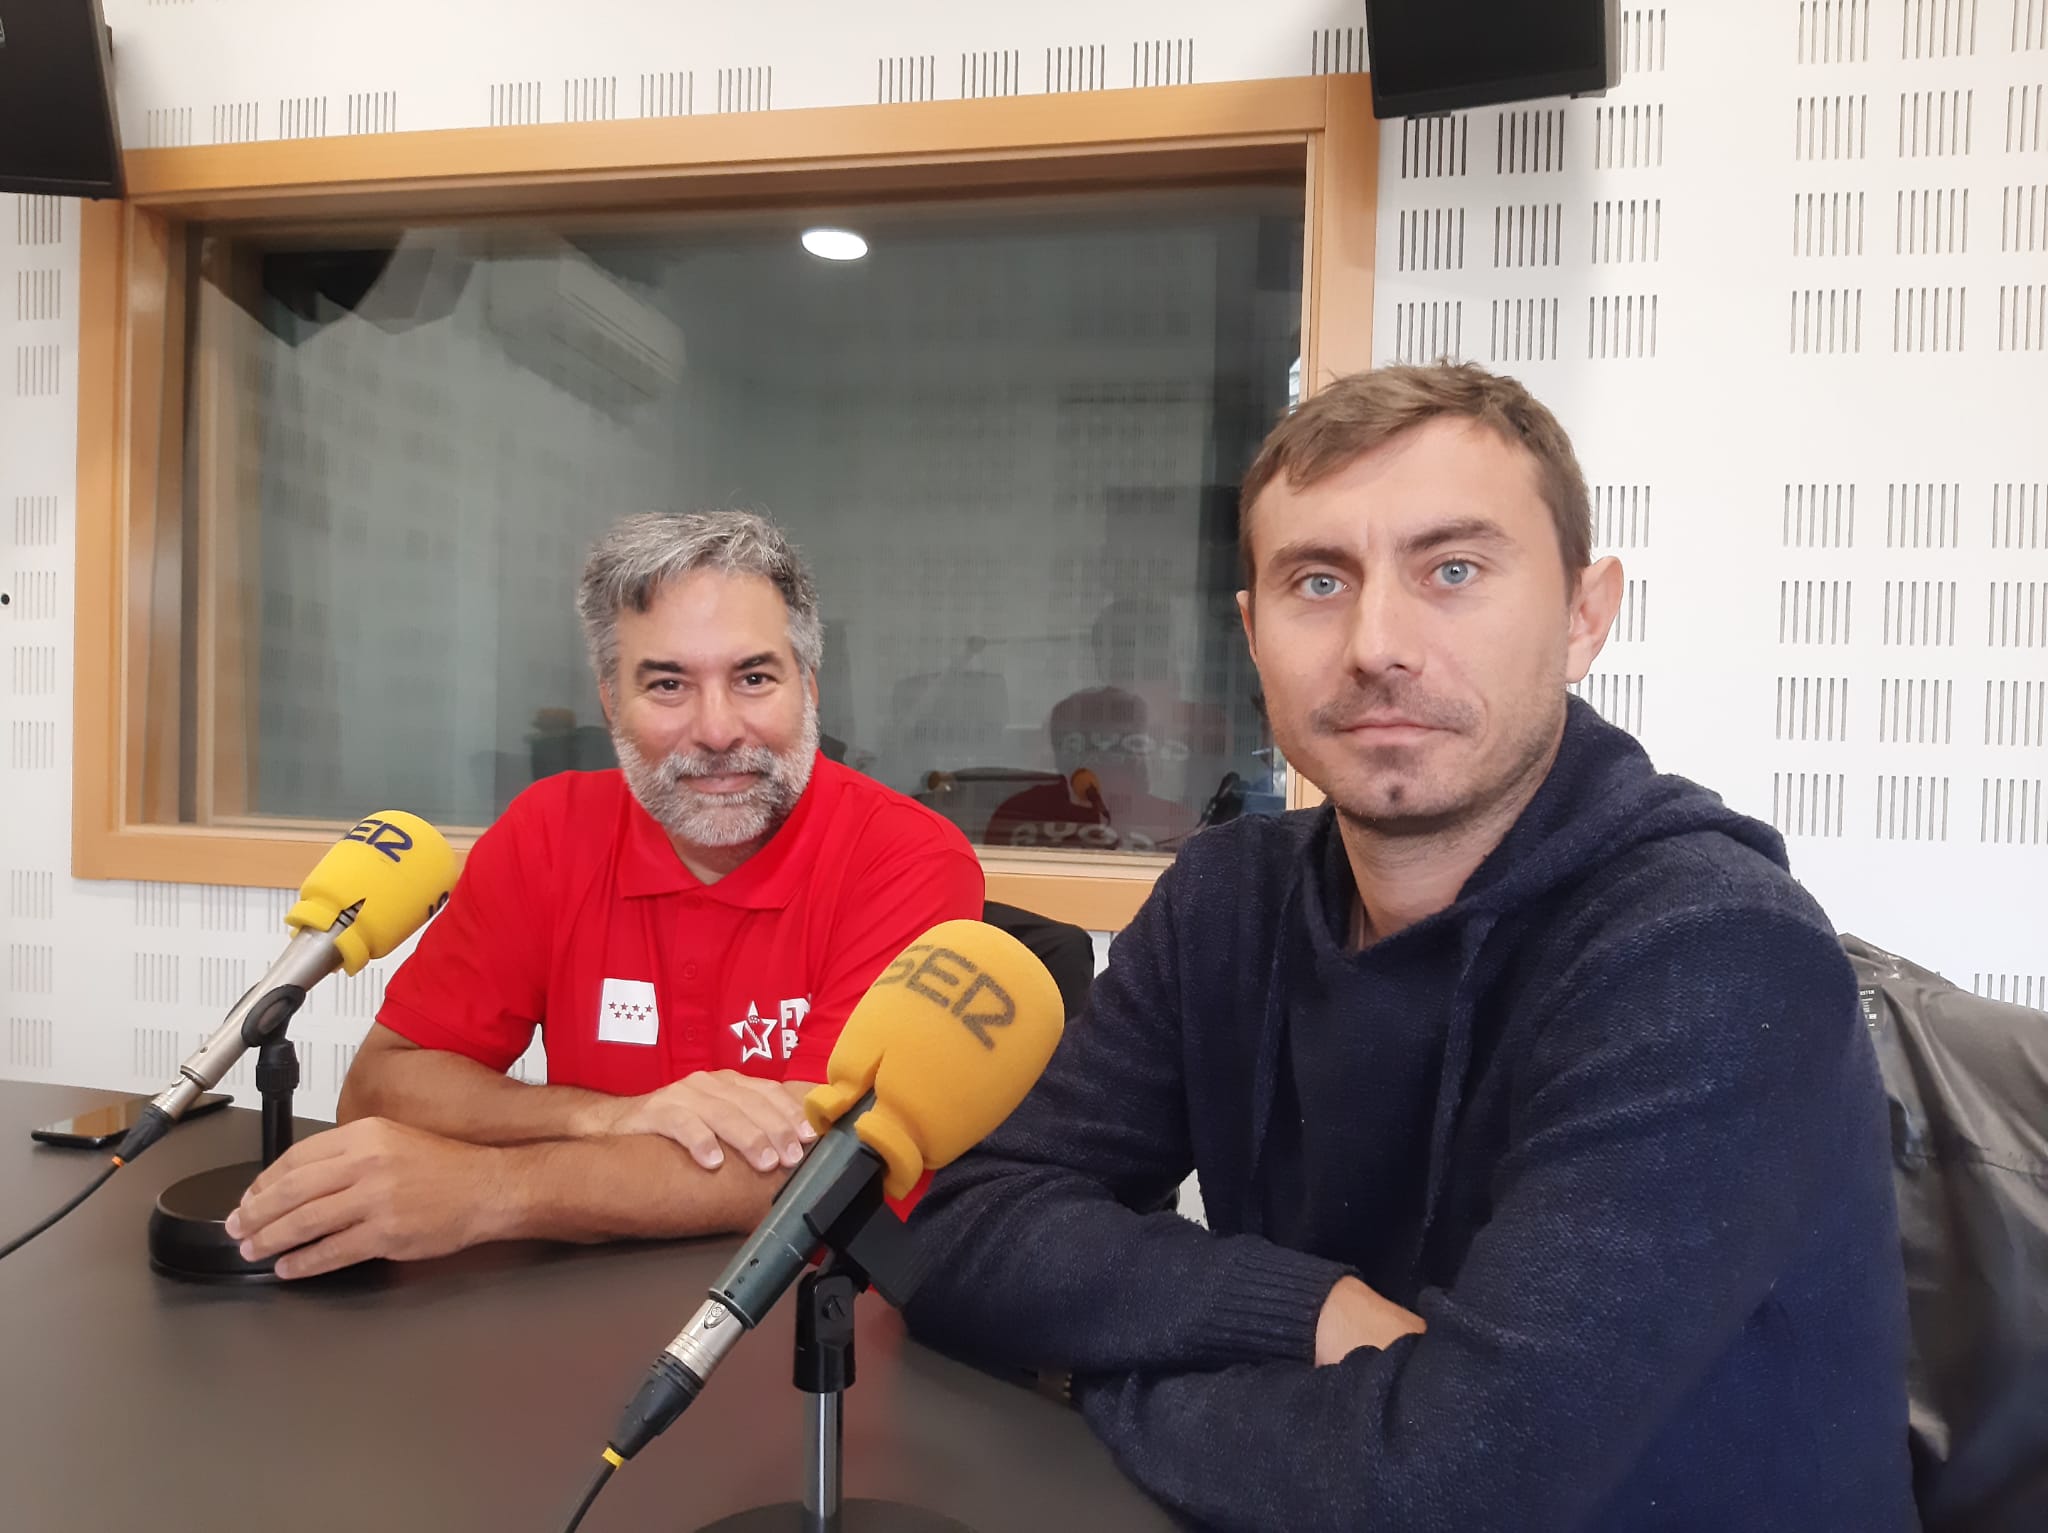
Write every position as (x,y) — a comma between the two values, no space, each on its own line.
(753,1032)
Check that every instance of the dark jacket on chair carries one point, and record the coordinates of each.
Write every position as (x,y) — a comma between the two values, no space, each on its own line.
(1610,1123)
(1968,1082)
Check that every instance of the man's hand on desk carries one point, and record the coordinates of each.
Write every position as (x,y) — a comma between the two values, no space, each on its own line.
(372,1188)
(1355,1316)
(376,1188)
(763,1120)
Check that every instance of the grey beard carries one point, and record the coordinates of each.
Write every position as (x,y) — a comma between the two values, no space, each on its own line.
(701,819)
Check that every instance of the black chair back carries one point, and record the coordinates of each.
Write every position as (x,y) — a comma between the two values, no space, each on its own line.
(1067,951)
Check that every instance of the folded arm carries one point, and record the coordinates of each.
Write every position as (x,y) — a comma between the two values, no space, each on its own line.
(453,1095)
(1046,1248)
(375,1188)
(1656,1189)
(437,1152)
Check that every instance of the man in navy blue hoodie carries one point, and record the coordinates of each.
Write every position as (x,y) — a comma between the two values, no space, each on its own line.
(1543,1151)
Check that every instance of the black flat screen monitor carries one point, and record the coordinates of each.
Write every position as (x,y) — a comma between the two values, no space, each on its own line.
(58,132)
(1446,55)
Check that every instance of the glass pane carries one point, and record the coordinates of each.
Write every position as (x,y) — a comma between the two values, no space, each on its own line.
(1008,440)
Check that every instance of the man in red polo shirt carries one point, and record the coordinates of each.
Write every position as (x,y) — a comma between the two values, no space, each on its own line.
(688,932)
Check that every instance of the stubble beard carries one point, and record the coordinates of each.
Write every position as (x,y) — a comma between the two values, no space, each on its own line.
(694,818)
(1403,803)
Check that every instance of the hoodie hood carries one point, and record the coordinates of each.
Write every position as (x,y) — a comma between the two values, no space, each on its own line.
(1601,800)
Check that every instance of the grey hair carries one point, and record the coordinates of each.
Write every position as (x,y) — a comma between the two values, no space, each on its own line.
(641,554)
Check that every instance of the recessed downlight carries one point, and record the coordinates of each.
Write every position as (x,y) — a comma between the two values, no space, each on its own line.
(835,244)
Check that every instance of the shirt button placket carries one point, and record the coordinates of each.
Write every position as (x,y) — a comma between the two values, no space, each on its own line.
(692,1034)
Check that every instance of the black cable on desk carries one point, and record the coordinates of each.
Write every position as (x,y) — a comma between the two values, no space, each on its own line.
(91,1187)
(597,1483)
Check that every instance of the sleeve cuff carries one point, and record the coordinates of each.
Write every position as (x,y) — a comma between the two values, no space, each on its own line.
(1268,1300)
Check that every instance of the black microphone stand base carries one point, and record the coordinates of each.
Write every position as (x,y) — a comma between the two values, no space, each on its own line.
(188,1235)
(854,1517)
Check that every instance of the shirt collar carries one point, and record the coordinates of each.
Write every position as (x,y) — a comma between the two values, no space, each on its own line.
(768,880)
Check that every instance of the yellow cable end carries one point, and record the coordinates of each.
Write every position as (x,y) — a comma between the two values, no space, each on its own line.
(611,1456)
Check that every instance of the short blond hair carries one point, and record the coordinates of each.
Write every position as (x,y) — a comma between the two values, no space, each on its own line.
(1335,428)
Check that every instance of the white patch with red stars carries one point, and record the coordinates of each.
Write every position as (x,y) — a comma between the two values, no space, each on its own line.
(626,1014)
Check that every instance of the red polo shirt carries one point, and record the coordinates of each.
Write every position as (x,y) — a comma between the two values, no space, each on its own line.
(574,915)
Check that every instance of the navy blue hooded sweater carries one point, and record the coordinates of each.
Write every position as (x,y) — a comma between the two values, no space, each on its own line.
(1644,1205)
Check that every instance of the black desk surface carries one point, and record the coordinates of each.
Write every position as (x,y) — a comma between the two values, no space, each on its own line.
(470,1393)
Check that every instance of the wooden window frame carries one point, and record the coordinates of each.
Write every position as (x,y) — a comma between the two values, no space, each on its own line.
(133,372)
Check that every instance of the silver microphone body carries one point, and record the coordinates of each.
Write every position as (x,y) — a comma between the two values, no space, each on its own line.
(307,959)
(836,1180)
(702,1344)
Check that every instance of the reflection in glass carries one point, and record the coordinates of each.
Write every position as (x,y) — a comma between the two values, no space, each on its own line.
(1007,439)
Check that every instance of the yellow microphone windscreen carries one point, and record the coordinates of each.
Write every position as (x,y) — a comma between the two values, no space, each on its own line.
(396,865)
(950,1039)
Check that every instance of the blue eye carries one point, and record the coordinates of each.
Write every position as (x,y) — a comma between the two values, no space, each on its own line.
(1320,586)
(1456,572)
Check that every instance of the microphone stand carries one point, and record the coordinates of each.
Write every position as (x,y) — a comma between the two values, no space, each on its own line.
(188,1235)
(277,1077)
(824,1370)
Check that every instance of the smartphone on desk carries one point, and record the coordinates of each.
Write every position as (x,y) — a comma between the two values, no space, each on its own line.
(98,1127)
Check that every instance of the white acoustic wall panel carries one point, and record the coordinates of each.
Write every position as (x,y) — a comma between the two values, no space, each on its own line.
(1788,286)
(50,981)
(1782,282)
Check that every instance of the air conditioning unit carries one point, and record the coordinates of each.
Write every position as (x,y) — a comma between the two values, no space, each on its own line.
(560,314)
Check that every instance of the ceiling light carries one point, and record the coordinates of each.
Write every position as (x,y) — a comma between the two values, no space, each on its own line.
(835,244)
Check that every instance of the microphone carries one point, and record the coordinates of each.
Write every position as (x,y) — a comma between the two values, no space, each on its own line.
(374,888)
(942,1048)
